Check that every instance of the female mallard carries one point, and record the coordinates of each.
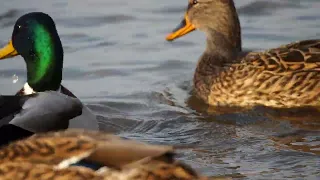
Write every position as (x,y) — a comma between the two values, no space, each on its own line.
(81,154)
(36,39)
(288,76)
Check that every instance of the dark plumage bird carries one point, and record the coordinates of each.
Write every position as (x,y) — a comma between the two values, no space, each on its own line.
(36,39)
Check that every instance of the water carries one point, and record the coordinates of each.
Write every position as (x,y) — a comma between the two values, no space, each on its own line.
(118,62)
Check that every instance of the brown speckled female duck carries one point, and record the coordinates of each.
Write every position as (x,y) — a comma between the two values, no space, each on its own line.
(287,76)
(97,156)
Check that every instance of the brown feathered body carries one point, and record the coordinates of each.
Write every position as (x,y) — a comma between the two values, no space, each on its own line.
(287,76)
(51,156)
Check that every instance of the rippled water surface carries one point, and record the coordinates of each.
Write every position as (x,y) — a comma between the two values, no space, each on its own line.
(118,62)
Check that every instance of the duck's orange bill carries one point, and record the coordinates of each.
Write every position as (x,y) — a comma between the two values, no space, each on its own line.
(183,28)
(8,51)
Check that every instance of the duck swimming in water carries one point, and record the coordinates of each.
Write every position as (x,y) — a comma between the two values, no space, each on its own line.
(283,77)
(36,39)
(83,155)
(34,146)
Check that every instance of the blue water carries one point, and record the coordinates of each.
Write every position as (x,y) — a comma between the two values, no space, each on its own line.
(118,62)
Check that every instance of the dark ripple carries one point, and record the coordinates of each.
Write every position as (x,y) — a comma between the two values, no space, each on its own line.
(115,124)
(86,21)
(105,44)
(170,10)
(169,65)
(10,14)
(140,35)
(101,73)
(8,18)
(78,74)
(78,37)
(69,73)
(8,73)
(310,17)
(181,43)
(180,131)
(93,44)
(262,8)
(124,106)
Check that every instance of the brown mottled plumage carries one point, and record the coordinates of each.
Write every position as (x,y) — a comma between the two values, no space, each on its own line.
(49,156)
(287,76)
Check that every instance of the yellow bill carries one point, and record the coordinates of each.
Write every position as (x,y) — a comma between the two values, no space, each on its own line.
(8,51)
(183,28)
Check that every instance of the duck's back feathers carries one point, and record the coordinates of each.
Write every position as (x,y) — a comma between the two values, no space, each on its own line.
(302,56)
(55,148)
(30,171)
(288,76)
(120,158)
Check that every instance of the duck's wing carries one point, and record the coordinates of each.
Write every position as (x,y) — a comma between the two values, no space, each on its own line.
(161,167)
(41,112)
(63,148)
(9,106)
(87,119)
(290,72)
(302,56)
(21,116)
(118,157)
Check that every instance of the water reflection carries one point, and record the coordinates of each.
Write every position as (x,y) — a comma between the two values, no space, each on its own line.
(304,123)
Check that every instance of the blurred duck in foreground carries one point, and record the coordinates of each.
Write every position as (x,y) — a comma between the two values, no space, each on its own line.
(84,154)
(33,145)
(36,39)
(283,77)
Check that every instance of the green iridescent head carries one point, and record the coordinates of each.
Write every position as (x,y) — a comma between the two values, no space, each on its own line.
(36,39)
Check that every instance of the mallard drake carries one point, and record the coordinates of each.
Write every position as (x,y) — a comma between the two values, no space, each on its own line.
(36,39)
(22,116)
(84,154)
(283,77)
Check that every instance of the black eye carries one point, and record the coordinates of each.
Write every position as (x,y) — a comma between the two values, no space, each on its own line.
(17,29)
(194,1)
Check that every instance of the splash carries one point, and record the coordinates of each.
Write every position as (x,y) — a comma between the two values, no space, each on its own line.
(15,79)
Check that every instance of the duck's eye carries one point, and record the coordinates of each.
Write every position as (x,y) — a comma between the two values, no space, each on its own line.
(195,2)
(17,29)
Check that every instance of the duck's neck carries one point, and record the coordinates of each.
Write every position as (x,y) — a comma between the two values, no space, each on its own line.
(219,53)
(223,48)
(44,67)
(224,36)
(27,89)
